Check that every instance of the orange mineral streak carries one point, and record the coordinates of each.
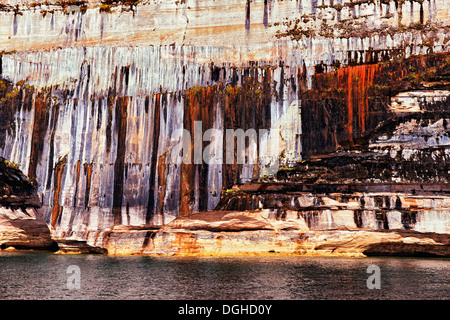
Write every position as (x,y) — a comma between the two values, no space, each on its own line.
(162,182)
(57,209)
(187,172)
(78,172)
(350,107)
(88,172)
(197,103)
(355,81)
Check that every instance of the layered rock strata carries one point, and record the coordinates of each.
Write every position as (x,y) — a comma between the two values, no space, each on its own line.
(353,98)
(262,232)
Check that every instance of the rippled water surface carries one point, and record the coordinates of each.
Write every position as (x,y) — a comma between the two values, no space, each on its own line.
(27,275)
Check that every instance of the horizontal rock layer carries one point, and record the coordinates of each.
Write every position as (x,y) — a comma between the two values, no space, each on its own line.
(22,230)
(257,233)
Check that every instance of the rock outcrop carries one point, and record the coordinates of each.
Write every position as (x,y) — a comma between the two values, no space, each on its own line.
(348,101)
(20,225)
(263,233)
(22,230)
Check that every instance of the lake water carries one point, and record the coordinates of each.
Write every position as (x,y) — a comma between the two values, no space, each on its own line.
(31,275)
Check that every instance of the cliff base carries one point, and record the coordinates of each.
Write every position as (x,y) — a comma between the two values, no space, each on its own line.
(256,233)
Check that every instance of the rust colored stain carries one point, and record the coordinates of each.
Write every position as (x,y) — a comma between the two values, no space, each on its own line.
(200,105)
(96,237)
(57,209)
(355,81)
(192,113)
(244,105)
(350,107)
(359,97)
(162,182)
(88,173)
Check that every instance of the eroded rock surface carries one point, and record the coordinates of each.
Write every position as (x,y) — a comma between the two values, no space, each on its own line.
(353,98)
(263,233)
(20,224)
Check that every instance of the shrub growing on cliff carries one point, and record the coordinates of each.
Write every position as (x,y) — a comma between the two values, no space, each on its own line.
(105,8)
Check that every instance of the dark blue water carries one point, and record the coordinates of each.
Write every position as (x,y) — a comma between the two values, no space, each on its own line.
(27,275)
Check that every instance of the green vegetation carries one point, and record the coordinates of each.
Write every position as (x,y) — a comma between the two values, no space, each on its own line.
(105,8)
(10,164)
(229,192)
(286,168)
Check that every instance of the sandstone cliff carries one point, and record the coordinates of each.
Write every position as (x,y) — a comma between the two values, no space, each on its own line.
(352,95)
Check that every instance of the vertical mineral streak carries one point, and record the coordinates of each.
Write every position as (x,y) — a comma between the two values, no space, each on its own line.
(77,180)
(54,121)
(154,158)
(161,165)
(41,117)
(88,173)
(58,175)
(338,95)
(192,113)
(121,123)
(359,80)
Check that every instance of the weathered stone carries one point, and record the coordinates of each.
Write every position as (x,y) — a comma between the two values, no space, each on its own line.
(357,243)
(94,104)
(77,247)
(20,224)
(23,231)
(235,221)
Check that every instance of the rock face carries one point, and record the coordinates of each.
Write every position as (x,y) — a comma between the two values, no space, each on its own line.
(77,247)
(263,233)
(20,225)
(22,230)
(348,102)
